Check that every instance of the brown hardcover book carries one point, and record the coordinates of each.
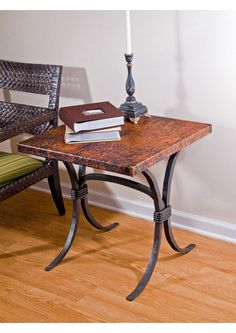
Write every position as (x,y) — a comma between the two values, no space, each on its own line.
(87,117)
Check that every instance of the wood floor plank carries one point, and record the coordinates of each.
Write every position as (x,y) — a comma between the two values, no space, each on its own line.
(101,269)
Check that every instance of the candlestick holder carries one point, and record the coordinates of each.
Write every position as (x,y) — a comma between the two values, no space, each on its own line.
(132,109)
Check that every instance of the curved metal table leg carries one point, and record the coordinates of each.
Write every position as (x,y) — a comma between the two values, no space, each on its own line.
(92,220)
(70,237)
(151,264)
(161,215)
(159,206)
(166,199)
(74,221)
(79,195)
(86,209)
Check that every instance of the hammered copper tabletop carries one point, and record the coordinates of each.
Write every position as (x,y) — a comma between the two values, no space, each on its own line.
(141,146)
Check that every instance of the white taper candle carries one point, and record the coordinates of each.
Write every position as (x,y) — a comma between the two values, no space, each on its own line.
(128,33)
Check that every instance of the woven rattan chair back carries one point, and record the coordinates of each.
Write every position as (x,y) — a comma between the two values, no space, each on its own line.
(35,78)
(20,118)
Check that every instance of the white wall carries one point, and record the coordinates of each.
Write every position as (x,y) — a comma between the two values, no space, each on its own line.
(184,66)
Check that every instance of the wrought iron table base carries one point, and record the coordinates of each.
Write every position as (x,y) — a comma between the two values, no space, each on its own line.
(161,215)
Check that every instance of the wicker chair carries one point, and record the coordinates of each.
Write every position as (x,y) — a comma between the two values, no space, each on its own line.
(21,118)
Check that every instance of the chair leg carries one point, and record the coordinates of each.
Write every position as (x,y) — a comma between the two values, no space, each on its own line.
(55,187)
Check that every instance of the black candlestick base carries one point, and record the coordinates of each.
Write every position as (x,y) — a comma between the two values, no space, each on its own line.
(132,109)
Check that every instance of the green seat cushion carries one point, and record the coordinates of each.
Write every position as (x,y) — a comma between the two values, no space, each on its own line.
(13,166)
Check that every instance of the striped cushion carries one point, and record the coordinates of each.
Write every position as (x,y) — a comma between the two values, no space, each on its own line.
(13,166)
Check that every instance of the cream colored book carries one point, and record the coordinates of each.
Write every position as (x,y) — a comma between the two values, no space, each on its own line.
(107,134)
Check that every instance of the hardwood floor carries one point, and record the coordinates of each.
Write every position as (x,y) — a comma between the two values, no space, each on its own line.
(101,269)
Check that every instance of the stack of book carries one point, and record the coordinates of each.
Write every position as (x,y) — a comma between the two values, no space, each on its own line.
(92,122)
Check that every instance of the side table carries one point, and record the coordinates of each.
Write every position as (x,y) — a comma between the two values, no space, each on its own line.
(141,146)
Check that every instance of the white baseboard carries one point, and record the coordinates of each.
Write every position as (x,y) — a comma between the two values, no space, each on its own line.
(195,223)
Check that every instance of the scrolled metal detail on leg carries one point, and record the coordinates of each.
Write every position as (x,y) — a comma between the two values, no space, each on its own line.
(162,215)
(79,192)
(92,220)
(85,206)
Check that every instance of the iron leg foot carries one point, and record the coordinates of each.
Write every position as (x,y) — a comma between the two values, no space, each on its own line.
(151,265)
(92,220)
(174,245)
